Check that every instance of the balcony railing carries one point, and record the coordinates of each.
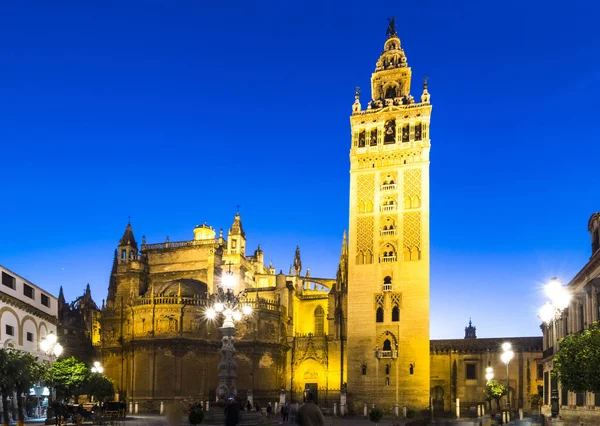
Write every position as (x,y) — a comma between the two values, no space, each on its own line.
(379,354)
(388,208)
(387,232)
(388,187)
(387,287)
(387,259)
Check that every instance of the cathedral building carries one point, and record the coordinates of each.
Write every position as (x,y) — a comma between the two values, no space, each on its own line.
(356,339)
(157,343)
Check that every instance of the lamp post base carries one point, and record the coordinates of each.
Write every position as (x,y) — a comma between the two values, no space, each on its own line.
(227,367)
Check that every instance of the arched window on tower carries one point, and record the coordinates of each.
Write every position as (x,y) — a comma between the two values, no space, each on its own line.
(390,92)
(364,369)
(395,314)
(319,321)
(411,369)
(379,315)
(387,283)
(387,345)
(387,369)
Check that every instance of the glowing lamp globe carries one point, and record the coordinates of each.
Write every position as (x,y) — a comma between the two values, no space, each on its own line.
(219,307)
(228,281)
(547,313)
(45,345)
(247,309)
(210,313)
(58,349)
(506,346)
(51,338)
(506,356)
(237,315)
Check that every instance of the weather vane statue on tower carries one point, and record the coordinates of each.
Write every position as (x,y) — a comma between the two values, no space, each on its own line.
(391,29)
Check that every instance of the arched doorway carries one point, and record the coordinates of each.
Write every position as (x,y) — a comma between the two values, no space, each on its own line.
(437,394)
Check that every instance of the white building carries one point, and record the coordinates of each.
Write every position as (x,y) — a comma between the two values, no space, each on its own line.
(27,314)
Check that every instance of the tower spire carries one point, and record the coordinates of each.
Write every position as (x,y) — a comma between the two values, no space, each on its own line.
(297,262)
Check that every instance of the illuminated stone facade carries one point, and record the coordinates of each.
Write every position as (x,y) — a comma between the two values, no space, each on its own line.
(157,343)
(388,291)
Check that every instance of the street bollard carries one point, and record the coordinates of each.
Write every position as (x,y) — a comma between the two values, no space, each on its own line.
(162,407)
(457,408)
(365,410)
(136,408)
(520,414)
(335,408)
(396,409)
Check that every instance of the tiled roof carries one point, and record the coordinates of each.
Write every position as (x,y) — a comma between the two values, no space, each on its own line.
(526,344)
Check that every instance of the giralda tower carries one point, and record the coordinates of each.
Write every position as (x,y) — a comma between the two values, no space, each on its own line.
(388,283)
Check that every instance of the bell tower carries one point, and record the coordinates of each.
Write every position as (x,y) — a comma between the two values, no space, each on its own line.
(388,271)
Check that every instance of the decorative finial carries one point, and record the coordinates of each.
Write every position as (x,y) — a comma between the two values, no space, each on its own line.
(470,324)
(391,29)
(143,240)
(237,207)
(425,78)
(129,220)
(357,93)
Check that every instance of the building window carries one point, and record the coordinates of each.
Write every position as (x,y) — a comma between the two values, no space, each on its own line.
(364,369)
(387,381)
(319,321)
(387,369)
(395,314)
(471,371)
(8,280)
(29,337)
(233,243)
(387,284)
(28,291)
(546,387)
(540,371)
(379,315)
(387,345)
(123,254)
(45,300)
(411,369)
(10,330)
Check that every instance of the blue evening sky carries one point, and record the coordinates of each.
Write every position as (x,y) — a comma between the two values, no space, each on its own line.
(177,111)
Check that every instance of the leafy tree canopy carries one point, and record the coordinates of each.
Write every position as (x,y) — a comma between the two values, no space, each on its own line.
(577,364)
(494,390)
(100,387)
(70,377)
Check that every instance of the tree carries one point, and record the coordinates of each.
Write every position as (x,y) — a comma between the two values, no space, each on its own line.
(70,377)
(577,364)
(29,371)
(100,387)
(375,415)
(494,390)
(7,375)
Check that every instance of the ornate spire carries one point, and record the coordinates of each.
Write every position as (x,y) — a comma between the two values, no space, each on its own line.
(470,331)
(236,227)
(391,29)
(88,291)
(128,238)
(297,261)
(61,296)
(344,245)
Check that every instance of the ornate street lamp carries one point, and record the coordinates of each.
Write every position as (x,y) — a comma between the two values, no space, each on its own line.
(97,368)
(507,355)
(231,306)
(560,297)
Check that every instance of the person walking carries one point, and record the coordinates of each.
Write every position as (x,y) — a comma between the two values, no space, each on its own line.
(309,414)
(232,412)
(285,409)
(269,410)
(293,411)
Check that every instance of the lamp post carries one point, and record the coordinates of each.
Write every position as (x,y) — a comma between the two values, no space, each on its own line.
(549,314)
(50,346)
(230,305)
(507,355)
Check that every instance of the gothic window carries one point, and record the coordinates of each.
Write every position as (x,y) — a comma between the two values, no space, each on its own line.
(411,369)
(319,321)
(373,141)
(364,369)
(387,369)
(387,283)
(405,133)
(387,345)
(379,315)
(368,257)
(123,254)
(389,132)
(361,139)
(395,314)
(407,202)
(471,373)
(418,132)
(387,381)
